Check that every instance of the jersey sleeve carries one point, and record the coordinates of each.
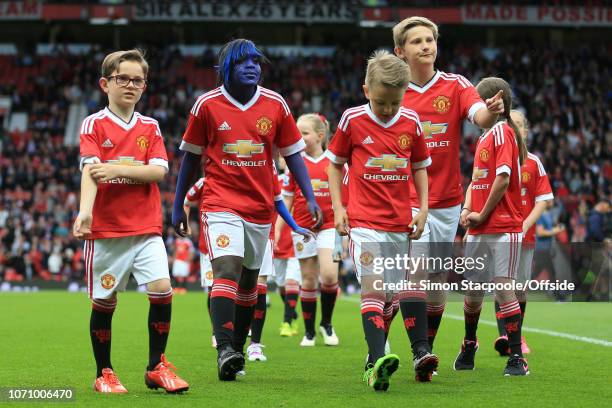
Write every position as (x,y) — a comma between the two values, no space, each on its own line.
(289,189)
(419,155)
(89,145)
(339,150)
(504,149)
(194,193)
(543,190)
(276,185)
(288,137)
(345,186)
(469,100)
(195,138)
(157,150)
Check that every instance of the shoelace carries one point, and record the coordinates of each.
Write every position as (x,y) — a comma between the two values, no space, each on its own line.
(167,366)
(111,378)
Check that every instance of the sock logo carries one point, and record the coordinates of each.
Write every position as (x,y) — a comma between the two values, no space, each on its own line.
(161,327)
(292,303)
(307,315)
(431,332)
(229,326)
(409,322)
(378,321)
(258,314)
(512,327)
(103,335)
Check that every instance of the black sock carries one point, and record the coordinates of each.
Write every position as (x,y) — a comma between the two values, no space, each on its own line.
(501,329)
(373,325)
(100,331)
(414,313)
(208,308)
(309,310)
(222,307)
(160,313)
(281,292)
(511,313)
(259,315)
(471,315)
(329,293)
(523,306)
(387,317)
(246,299)
(292,292)
(434,317)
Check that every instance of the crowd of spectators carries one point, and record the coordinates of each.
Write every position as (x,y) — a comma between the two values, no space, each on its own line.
(564,92)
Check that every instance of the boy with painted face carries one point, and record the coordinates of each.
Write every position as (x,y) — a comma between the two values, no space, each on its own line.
(232,130)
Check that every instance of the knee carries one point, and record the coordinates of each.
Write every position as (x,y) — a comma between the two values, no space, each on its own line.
(227,268)
(159,286)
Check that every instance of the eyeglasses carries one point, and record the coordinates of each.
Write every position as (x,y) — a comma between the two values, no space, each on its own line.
(124,81)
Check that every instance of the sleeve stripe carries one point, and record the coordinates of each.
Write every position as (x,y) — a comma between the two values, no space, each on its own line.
(498,131)
(150,121)
(191,148)
(275,96)
(287,193)
(292,149)
(88,123)
(536,159)
(335,159)
(353,116)
(88,160)
(347,113)
(503,169)
(203,98)
(159,162)
(422,164)
(459,78)
(475,108)
(544,197)
(278,197)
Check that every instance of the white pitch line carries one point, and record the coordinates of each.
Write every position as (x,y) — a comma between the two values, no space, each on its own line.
(552,333)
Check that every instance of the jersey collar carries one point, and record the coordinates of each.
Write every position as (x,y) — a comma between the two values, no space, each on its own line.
(238,104)
(125,125)
(373,116)
(312,159)
(429,84)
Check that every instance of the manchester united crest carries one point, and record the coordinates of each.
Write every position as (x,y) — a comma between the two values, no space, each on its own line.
(366,258)
(264,125)
(299,246)
(441,104)
(209,275)
(525,177)
(484,155)
(107,280)
(404,141)
(143,143)
(223,241)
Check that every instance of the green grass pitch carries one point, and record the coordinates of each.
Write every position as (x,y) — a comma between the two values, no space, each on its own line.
(45,343)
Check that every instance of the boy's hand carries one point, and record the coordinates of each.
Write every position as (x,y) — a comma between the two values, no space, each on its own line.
(463,217)
(180,223)
(104,171)
(496,104)
(316,213)
(306,233)
(473,219)
(417,225)
(341,221)
(82,226)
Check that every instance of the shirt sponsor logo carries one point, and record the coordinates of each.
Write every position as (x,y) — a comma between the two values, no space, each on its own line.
(478,174)
(387,162)
(441,104)
(318,184)
(243,148)
(125,161)
(430,129)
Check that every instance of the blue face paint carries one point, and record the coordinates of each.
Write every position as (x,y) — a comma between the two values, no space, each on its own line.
(239,64)
(246,71)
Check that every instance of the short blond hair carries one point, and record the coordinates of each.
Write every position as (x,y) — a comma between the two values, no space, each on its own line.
(387,69)
(113,60)
(401,29)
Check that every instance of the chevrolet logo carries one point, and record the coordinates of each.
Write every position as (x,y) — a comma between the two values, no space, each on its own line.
(243,148)
(433,128)
(479,173)
(126,161)
(318,184)
(388,162)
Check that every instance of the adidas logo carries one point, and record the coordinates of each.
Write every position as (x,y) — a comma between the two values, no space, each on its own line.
(367,140)
(225,126)
(108,144)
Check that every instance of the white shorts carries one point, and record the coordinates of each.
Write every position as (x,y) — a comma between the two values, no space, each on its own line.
(366,245)
(287,268)
(267,266)
(499,253)
(228,234)
(439,234)
(526,263)
(109,263)
(324,239)
(206,272)
(180,269)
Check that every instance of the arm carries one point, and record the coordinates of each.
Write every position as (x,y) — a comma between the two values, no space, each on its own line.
(422,187)
(467,207)
(334,175)
(280,221)
(185,179)
(296,166)
(149,173)
(89,190)
(533,216)
(282,210)
(498,189)
(486,118)
(544,233)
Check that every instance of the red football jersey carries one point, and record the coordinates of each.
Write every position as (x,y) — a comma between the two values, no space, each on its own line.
(285,242)
(238,142)
(497,153)
(317,170)
(442,104)
(194,195)
(345,183)
(124,207)
(534,187)
(380,157)
(183,249)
